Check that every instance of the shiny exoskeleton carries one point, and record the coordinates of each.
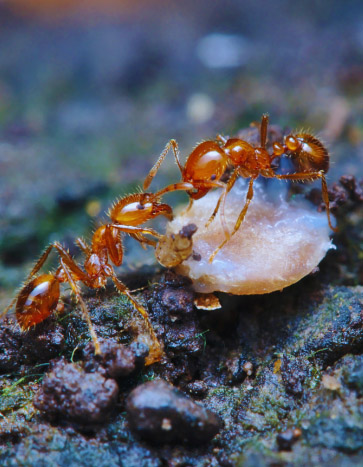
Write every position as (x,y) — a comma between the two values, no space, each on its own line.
(39,296)
(208,162)
(204,170)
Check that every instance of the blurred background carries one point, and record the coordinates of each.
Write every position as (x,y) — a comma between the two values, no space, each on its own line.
(91,91)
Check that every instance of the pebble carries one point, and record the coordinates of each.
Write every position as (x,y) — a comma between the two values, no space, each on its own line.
(160,413)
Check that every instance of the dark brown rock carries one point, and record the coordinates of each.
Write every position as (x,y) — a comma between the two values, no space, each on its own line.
(159,413)
(69,393)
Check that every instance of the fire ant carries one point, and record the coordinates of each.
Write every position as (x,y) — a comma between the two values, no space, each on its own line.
(40,294)
(308,154)
(202,171)
(209,160)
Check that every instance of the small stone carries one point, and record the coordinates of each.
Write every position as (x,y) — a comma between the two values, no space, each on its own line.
(160,413)
(70,393)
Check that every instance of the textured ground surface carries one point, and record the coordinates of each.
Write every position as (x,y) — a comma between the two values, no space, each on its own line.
(81,121)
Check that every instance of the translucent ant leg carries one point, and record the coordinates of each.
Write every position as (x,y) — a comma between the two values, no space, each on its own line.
(263,130)
(84,309)
(142,239)
(189,207)
(225,192)
(184,186)
(239,220)
(171,144)
(155,350)
(324,188)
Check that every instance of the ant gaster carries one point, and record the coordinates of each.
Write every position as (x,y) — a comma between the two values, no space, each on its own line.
(39,296)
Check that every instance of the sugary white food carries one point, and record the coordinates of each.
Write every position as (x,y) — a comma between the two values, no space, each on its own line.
(278,243)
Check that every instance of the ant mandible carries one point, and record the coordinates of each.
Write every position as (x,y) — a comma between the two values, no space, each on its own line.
(308,154)
(39,296)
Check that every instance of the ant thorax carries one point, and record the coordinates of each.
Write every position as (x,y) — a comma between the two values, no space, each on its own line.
(278,243)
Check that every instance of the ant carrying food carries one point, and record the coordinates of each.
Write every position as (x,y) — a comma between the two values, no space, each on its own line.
(205,169)
(208,162)
(308,154)
(40,294)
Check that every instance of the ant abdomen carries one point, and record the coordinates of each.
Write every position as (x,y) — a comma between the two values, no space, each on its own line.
(37,300)
(207,161)
(309,154)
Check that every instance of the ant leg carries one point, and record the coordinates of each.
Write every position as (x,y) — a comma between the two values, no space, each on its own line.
(135,230)
(9,307)
(185,186)
(227,189)
(189,207)
(325,195)
(171,144)
(324,188)
(71,264)
(263,130)
(221,139)
(155,350)
(83,245)
(142,239)
(239,220)
(84,309)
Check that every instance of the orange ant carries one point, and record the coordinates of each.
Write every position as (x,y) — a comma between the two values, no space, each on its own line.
(39,296)
(209,160)
(308,154)
(202,171)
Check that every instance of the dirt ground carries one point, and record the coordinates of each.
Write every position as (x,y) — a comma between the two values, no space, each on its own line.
(87,103)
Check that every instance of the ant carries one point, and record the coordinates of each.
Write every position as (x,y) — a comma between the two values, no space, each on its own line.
(39,296)
(202,171)
(309,156)
(209,160)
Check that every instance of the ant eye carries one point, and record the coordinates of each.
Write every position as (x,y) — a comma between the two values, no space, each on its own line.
(213,177)
(292,143)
